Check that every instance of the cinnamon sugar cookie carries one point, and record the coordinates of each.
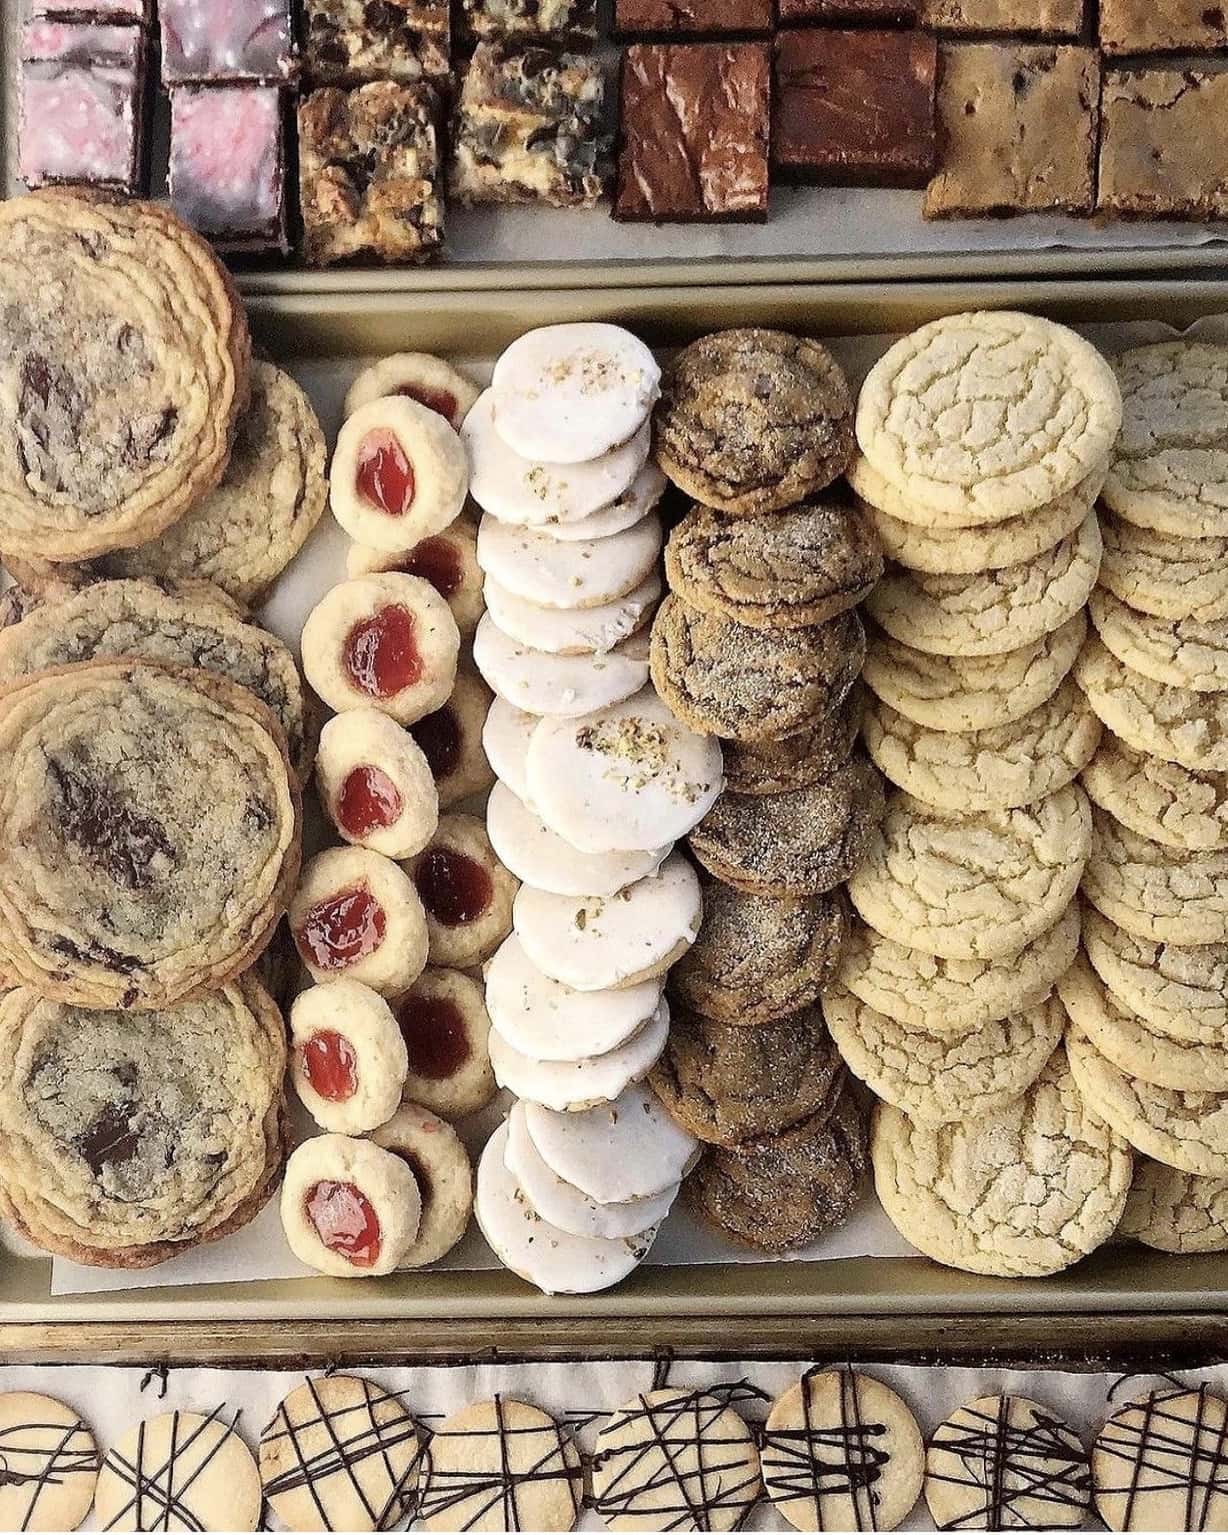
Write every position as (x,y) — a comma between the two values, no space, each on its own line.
(749,684)
(793,762)
(802,842)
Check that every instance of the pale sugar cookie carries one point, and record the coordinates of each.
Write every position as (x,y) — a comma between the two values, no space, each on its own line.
(1163,574)
(1174,723)
(1177,805)
(567,686)
(398,474)
(1180,989)
(1176,1212)
(1181,652)
(1169,895)
(348,1059)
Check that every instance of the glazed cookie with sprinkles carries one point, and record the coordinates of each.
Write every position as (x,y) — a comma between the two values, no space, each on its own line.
(436,1156)
(583,1083)
(1158,1463)
(349,1208)
(375,784)
(541,858)
(575,631)
(347,1058)
(398,474)
(466,892)
(628,1149)
(356,914)
(50,1460)
(430,381)
(197,1466)
(564,686)
(505,1455)
(640,498)
(552,574)
(444,1023)
(448,560)
(451,739)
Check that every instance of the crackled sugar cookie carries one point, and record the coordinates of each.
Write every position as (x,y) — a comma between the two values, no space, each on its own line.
(1174,723)
(583,574)
(50,1461)
(1158,1462)
(978,886)
(501,1464)
(984,416)
(628,1149)
(841,1451)
(448,560)
(1006,1463)
(349,1207)
(540,857)
(995,768)
(1181,652)
(676,1459)
(466,892)
(957,1191)
(1176,1212)
(1180,990)
(971,693)
(430,381)
(436,1156)
(398,474)
(451,739)
(1179,806)
(1153,891)
(375,783)
(566,686)
(347,1059)
(195,1467)
(386,641)
(1165,575)
(574,632)
(356,914)
(340,1453)
(753,420)
(794,762)
(575,1085)
(955,995)
(444,1024)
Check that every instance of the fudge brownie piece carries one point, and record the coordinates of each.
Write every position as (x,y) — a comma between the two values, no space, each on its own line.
(1033,18)
(695,119)
(1163,145)
(854,108)
(1017,127)
(567,22)
(1162,26)
(528,128)
(82,97)
(692,18)
(369,173)
(228,164)
(349,42)
(827,12)
(207,41)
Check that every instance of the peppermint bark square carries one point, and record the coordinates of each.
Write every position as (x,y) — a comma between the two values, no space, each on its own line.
(208,41)
(352,42)
(564,22)
(228,164)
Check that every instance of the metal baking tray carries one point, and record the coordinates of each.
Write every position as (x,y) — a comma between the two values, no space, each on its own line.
(1117,1293)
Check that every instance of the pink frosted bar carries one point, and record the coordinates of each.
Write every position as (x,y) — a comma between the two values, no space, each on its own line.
(227,168)
(206,41)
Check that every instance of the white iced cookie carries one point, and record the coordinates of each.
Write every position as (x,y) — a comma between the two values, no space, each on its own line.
(635,502)
(540,857)
(348,1060)
(416,376)
(179,1471)
(50,1463)
(568,393)
(349,1208)
(387,642)
(448,560)
(566,1207)
(451,739)
(505,739)
(551,574)
(375,783)
(556,1261)
(628,1149)
(356,914)
(399,474)
(540,683)
(625,777)
(436,1156)
(571,1086)
(465,890)
(574,632)
(446,1029)
(550,1022)
(534,494)
(595,943)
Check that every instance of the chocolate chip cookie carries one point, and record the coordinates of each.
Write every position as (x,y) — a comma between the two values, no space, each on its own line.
(814,752)
(149,833)
(130,1137)
(726,679)
(787,571)
(803,842)
(125,366)
(750,421)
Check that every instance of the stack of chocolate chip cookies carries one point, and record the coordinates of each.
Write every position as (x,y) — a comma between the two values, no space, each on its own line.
(759,643)
(1148,1041)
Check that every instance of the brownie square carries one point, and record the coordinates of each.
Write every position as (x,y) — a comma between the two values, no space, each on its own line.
(228,164)
(1162,26)
(1017,125)
(1163,145)
(825,12)
(528,128)
(692,18)
(351,42)
(695,119)
(369,173)
(1033,18)
(567,22)
(854,108)
(206,41)
(81,105)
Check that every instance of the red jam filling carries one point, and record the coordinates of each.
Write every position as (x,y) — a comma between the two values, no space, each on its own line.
(439,736)
(331,1065)
(369,801)
(381,652)
(426,1188)
(441,401)
(455,888)
(438,561)
(435,1036)
(385,477)
(345,1221)
(344,928)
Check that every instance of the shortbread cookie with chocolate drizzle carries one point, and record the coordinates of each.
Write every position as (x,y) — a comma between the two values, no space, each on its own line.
(1159,1462)
(50,1463)
(179,1467)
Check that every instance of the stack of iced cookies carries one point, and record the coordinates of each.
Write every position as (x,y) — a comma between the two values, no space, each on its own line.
(1149,1035)
(983,439)
(597,781)
(759,643)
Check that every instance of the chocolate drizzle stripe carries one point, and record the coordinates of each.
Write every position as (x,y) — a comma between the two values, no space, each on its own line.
(1041,1463)
(158,1485)
(56,1463)
(1170,1446)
